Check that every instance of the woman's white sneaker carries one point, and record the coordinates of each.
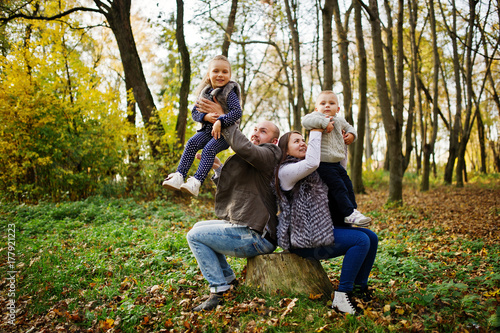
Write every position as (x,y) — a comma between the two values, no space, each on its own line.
(342,302)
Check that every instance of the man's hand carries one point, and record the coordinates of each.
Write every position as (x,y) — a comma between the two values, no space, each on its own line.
(211,117)
(207,106)
(348,138)
(217,162)
(216,130)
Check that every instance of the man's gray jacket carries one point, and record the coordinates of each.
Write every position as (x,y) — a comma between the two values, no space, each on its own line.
(244,195)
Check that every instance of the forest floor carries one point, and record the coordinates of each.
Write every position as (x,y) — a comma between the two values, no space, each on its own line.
(116,265)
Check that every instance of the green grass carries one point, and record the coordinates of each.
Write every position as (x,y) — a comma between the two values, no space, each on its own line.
(93,264)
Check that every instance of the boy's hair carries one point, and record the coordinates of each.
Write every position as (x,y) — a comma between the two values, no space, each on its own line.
(325,92)
(206,79)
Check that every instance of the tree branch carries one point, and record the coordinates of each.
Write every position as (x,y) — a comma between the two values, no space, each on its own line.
(5,20)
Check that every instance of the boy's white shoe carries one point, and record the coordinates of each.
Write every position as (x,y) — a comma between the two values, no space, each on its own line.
(358,219)
(343,303)
(192,186)
(173,181)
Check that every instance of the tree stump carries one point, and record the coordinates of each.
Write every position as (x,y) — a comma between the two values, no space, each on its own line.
(289,273)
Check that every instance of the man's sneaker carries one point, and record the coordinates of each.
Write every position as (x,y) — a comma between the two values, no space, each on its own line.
(358,219)
(211,303)
(343,303)
(173,181)
(192,186)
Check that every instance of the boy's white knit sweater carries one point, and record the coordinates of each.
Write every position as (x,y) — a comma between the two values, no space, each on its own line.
(332,144)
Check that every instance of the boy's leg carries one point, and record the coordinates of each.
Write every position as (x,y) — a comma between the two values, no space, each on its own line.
(337,190)
(195,143)
(211,149)
(348,185)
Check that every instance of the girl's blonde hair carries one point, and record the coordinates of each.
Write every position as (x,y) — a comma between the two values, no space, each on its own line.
(206,78)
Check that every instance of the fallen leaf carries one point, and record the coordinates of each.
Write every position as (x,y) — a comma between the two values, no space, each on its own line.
(322,328)
(313,296)
(106,324)
(289,307)
(155,288)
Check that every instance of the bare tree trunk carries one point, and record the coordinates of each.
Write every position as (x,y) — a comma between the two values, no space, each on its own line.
(457,124)
(368,138)
(482,141)
(413,13)
(133,149)
(229,27)
(495,96)
(327,12)
(391,124)
(429,148)
(357,164)
(180,126)
(464,138)
(344,61)
(292,24)
(495,148)
(117,13)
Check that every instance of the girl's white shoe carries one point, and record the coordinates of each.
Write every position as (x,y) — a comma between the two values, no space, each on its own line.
(192,186)
(173,181)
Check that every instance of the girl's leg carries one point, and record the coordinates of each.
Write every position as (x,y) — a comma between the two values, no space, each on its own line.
(195,143)
(353,244)
(212,148)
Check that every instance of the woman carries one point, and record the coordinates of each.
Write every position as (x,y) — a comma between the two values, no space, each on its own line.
(305,225)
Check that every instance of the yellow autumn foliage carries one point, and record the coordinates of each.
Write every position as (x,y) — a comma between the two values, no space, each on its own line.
(61,128)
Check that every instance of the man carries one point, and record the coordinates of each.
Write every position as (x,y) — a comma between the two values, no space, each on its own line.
(245,205)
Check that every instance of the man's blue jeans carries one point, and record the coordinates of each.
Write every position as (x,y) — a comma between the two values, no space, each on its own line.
(211,241)
(359,248)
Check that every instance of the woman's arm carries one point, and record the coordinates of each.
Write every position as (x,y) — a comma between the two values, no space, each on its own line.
(290,174)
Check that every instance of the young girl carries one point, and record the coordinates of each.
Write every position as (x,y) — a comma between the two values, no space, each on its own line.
(216,86)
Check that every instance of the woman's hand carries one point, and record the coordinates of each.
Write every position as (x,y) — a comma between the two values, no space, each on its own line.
(211,117)
(348,138)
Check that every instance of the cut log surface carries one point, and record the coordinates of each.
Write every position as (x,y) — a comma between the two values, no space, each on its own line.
(289,273)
